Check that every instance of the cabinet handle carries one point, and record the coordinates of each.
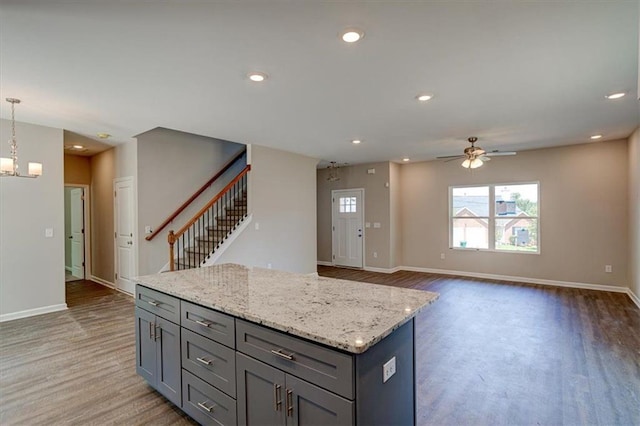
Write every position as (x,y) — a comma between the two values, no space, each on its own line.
(205,361)
(156,335)
(152,329)
(289,403)
(277,402)
(204,323)
(152,302)
(204,407)
(282,355)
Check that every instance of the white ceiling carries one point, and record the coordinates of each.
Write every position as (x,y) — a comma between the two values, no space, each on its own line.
(517,74)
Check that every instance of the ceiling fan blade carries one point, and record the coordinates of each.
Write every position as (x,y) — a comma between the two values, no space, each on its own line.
(459,157)
(500,153)
(451,156)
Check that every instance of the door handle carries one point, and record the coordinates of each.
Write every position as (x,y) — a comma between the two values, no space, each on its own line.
(71,237)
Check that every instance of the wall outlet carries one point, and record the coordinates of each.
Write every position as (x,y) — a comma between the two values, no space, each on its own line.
(388,369)
(375,254)
(608,269)
(257,225)
(442,256)
(147,229)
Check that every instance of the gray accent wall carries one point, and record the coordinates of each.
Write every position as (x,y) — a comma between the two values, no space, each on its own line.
(31,265)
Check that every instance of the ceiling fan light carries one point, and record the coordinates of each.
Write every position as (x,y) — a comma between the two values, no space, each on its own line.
(475,163)
(466,163)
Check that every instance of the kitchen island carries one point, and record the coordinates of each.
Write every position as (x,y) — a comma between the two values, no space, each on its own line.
(232,345)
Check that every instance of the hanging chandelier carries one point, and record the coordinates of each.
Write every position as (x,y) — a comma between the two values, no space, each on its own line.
(333,172)
(9,166)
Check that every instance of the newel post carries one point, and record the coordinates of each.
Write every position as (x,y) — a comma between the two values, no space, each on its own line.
(172,239)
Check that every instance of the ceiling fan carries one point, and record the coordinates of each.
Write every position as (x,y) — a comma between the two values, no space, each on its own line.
(474,156)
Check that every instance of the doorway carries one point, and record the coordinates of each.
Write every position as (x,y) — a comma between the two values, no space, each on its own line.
(125,235)
(76,226)
(347,221)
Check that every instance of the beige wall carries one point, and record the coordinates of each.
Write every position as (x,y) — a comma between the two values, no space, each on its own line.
(172,165)
(77,169)
(634,212)
(103,173)
(31,265)
(583,218)
(282,201)
(376,209)
(395,196)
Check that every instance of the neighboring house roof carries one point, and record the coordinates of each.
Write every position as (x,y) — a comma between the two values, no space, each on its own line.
(477,204)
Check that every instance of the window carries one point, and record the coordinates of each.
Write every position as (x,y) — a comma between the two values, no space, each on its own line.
(347,205)
(501,217)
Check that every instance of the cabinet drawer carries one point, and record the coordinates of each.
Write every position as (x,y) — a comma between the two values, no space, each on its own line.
(206,404)
(163,305)
(210,361)
(317,364)
(212,324)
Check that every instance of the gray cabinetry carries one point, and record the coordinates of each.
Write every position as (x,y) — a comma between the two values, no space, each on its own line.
(158,347)
(267,395)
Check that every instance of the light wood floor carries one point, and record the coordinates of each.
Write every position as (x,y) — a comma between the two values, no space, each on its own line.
(488,353)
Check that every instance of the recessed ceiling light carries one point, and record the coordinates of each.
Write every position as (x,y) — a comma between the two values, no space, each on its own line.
(78,146)
(104,135)
(405,159)
(424,97)
(356,141)
(615,95)
(257,76)
(594,137)
(351,35)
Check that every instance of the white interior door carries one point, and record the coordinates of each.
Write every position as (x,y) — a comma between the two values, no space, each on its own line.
(124,192)
(77,232)
(347,220)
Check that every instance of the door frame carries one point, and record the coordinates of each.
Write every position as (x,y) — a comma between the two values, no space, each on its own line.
(87,226)
(135,229)
(333,226)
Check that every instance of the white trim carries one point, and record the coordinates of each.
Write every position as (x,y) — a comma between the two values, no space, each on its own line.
(635,299)
(86,208)
(227,243)
(67,268)
(383,270)
(525,280)
(102,282)
(363,251)
(33,312)
(324,263)
(134,238)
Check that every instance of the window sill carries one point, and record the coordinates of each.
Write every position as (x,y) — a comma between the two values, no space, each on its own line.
(494,250)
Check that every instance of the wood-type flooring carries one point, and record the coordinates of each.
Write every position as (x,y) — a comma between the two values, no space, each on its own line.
(487,353)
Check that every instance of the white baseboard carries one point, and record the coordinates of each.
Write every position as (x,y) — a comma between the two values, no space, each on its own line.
(68,268)
(32,312)
(633,297)
(528,280)
(103,282)
(324,263)
(383,270)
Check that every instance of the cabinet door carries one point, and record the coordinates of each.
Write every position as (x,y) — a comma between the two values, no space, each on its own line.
(308,405)
(168,380)
(145,346)
(261,393)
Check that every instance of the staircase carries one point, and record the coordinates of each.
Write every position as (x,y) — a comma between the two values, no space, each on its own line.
(208,239)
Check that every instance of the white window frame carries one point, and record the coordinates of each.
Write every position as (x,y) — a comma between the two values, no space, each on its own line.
(492,217)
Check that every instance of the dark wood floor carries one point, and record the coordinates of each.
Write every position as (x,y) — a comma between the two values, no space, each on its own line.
(514,354)
(488,353)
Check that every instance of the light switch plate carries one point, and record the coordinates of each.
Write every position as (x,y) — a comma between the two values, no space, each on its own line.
(376,224)
(48,232)
(388,369)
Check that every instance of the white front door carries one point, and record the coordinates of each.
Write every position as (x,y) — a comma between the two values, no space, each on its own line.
(347,221)
(124,192)
(77,232)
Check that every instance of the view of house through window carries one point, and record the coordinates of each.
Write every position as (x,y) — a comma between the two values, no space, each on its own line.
(495,217)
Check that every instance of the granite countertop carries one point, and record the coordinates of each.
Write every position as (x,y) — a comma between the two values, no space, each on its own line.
(347,315)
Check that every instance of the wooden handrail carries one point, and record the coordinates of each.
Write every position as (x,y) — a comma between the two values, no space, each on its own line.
(193,220)
(184,205)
